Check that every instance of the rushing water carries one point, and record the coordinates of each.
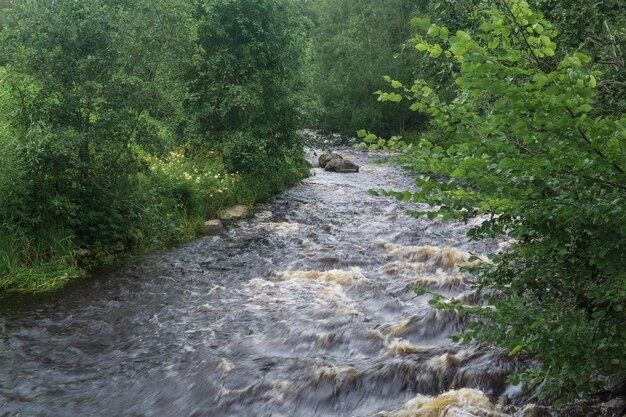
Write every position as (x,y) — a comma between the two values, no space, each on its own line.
(303,310)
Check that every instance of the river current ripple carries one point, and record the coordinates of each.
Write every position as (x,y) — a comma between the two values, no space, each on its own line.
(305,309)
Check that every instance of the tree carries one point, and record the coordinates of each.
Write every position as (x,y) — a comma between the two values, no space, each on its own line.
(84,81)
(243,81)
(353,45)
(525,153)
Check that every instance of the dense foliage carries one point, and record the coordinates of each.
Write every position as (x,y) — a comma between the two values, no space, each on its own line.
(523,147)
(124,124)
(244,79)
(598,28)
(353,44)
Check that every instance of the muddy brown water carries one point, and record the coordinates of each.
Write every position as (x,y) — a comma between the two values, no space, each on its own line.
(303,310)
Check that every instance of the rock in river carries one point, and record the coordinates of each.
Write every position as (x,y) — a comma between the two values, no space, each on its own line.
(342,165)
(327,157)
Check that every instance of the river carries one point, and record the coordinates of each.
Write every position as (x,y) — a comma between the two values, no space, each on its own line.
(305,309)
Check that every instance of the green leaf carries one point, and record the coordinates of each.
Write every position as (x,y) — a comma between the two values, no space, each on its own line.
(541,79)
(419,291)
(516,350)
(370,138)
(584,58)
(435,53)
(486,26)
(433,31)
(422,23)
(592,81)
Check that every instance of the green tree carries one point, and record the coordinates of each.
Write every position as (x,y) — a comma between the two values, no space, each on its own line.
(244,79)
(4,4)
(84,79)
(353,45)
(595,27)
(525,152)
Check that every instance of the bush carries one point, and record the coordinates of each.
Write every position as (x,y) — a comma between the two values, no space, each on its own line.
(526,151)
(111,144)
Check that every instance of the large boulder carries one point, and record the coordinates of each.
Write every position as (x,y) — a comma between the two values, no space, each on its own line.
(233,213)
(327,157)
(342,165)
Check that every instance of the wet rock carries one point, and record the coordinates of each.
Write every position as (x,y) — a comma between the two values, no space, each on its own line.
(533,410)
(206,308)
(615,406)
(327,157)
(234,213)
(214,227)
(342,166)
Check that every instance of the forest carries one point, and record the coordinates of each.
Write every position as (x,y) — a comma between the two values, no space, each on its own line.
(126,124)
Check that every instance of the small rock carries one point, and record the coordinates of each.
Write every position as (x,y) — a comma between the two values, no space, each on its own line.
(342,166)
(234,213)
(327,157)
(155,321)
(263,215)
(214,227)
(533,410)
(82,253)
(206,308)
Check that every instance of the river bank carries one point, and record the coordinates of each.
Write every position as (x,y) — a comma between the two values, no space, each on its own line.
(171,203)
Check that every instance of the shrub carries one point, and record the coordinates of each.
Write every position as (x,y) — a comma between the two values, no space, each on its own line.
(526,151)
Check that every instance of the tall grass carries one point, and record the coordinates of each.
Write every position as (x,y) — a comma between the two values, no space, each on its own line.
(37,262)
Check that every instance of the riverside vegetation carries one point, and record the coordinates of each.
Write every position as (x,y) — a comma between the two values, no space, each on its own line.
(125,124)
(531,138)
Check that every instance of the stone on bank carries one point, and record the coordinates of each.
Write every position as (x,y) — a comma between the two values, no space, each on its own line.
(233,213)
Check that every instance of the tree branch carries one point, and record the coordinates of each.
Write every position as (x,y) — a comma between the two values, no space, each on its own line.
(582,132)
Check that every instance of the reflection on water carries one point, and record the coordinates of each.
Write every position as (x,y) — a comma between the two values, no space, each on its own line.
(303,310)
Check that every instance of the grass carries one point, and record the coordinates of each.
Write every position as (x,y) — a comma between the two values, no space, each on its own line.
(34,264)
